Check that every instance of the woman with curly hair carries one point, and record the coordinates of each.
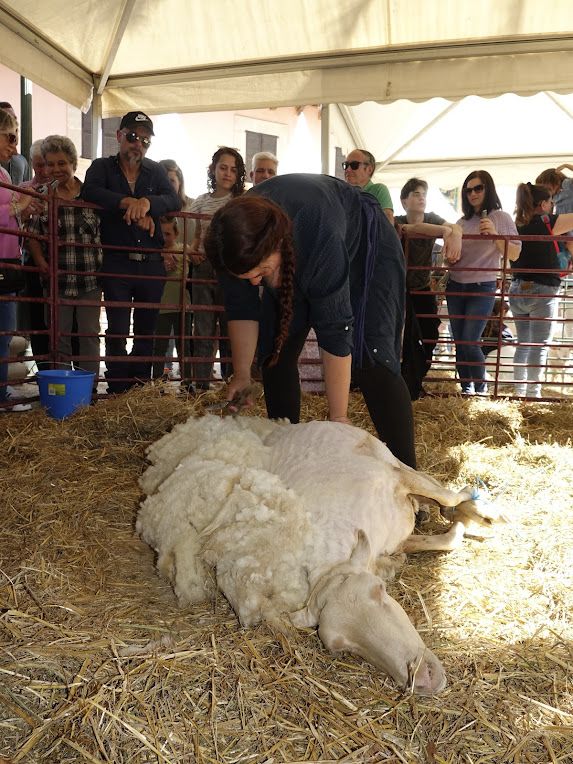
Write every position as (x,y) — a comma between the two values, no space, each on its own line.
(226,179)
(326,258)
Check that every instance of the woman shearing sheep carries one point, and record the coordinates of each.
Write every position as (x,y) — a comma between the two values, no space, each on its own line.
(326,258)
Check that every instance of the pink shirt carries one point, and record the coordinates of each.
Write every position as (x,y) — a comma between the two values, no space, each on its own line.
(9,245)
(481,254)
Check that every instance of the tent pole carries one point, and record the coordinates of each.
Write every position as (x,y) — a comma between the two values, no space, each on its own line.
(114,44)
(26,117)
(325,138)
(427,126)
(351,125)
(96,137)
(558,103)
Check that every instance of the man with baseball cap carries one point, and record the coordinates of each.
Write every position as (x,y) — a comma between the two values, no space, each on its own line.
(134,193)
(133,119)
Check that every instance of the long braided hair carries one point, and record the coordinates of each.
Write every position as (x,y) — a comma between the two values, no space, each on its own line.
(243,233)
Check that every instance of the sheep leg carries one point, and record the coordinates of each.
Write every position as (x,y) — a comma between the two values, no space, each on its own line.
(467,508)
(387,566)
(419,484)
(443,542)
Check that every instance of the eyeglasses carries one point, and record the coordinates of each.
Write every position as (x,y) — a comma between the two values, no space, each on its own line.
(353,165)
(133,137)
(474,189)
(12,138)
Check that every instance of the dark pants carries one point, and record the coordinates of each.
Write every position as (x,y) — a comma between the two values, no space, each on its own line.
(386,396)
(207,325)
(166,323)
(35,315)
(426,311)
(123,374)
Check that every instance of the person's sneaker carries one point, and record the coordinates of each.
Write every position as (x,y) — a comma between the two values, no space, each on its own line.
(21,407)
(16,408)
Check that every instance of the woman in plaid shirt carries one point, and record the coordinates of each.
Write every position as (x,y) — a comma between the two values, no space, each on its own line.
(77,265)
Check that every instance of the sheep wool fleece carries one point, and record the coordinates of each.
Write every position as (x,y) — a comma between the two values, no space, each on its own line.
(268,506)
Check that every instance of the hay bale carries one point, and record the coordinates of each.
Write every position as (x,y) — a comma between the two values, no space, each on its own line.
(99,664)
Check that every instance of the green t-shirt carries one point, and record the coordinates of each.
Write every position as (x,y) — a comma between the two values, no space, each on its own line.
(381,193)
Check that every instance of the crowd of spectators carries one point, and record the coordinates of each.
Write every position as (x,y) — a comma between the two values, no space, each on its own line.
(150,263)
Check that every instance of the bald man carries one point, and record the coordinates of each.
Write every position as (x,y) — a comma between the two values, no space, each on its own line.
(358,168)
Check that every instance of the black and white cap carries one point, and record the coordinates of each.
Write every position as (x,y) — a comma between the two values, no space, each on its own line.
(135,118)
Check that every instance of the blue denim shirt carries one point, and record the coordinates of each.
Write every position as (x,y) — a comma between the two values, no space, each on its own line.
(106,185)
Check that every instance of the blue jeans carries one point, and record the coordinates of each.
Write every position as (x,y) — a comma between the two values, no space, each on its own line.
(469,313)
(534,323)
(7,324)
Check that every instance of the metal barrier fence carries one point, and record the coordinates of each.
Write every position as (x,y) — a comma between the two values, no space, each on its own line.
(499,341)
(42,295)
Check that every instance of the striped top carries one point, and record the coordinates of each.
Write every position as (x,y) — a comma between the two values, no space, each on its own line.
(207,204)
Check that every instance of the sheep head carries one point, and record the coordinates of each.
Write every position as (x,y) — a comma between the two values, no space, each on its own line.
(354,612)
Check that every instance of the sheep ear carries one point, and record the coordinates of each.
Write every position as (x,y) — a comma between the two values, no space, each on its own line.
(303,619)
(360,557)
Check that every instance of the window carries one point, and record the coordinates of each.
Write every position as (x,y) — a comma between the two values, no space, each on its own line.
(258,142)
(109,128)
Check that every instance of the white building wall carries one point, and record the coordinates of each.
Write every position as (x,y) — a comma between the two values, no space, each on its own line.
(50,114)
(192,139)
(189,139)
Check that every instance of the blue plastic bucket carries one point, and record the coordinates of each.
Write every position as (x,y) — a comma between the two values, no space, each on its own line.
(63,392)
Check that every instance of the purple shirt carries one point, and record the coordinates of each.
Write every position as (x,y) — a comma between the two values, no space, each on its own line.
(481,254)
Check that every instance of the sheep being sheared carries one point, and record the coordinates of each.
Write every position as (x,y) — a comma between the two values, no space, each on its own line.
(299,520)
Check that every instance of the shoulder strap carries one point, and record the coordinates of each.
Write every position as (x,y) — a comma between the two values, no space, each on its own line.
(545,219)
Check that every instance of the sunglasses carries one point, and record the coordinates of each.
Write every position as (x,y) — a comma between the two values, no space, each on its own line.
(353,165)
(132,137)
(474,189)
(12,138)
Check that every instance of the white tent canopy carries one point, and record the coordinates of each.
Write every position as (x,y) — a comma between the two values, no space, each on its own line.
(512,137)
(179,56)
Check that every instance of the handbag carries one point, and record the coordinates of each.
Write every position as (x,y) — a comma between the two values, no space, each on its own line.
(12,280)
